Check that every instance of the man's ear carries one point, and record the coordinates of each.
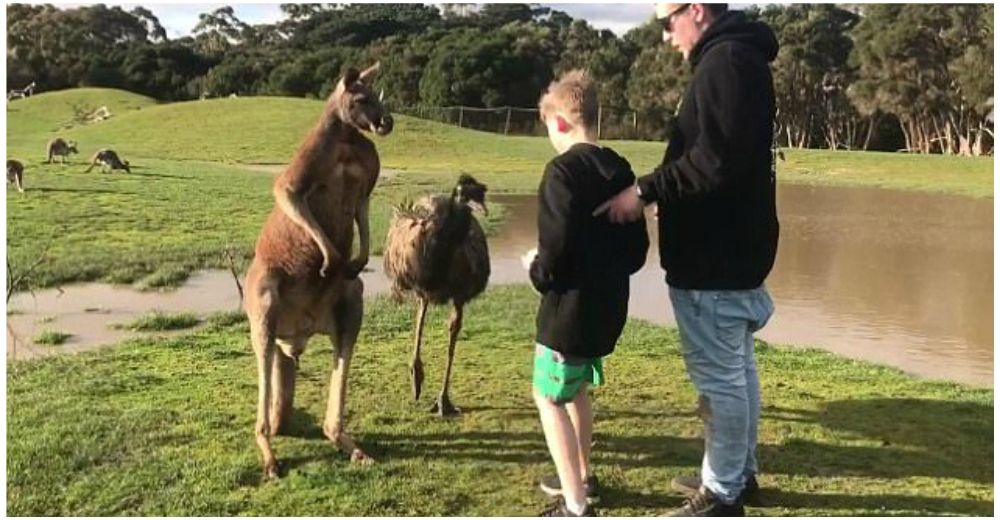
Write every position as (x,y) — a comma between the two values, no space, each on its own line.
(562,124)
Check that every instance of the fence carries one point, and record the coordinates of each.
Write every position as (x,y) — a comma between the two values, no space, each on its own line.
(611,123)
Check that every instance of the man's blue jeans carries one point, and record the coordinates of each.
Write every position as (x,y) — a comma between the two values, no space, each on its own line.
(717,340)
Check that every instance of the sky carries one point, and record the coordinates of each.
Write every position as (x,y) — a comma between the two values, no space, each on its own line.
(179,19)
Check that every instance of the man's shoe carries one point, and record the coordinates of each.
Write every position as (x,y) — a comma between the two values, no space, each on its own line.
(551,486)
(689,485)
(558,508)
(704,503)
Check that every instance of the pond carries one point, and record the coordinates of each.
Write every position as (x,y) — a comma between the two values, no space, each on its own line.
(899,278)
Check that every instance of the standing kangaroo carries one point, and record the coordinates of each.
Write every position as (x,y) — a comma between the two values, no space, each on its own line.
(109,161)
(60,147)
(301,281)
(15,174)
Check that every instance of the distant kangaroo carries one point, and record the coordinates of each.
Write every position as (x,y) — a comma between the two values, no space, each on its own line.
(109,161)
(60,147)
(21,92)
(15,173)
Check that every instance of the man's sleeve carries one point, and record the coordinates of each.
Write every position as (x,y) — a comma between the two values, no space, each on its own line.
(555,201)
(724,104)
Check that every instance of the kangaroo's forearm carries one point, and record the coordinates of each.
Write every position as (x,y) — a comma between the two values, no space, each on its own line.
(364,233)
(294,206)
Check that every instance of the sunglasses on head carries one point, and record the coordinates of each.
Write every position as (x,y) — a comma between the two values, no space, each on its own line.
(668,21)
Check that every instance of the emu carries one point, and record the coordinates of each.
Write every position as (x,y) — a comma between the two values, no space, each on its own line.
(437,250)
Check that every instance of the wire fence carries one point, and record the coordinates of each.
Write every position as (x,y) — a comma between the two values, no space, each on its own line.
(612,123)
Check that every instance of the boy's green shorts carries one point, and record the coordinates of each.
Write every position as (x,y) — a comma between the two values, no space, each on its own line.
(559,377)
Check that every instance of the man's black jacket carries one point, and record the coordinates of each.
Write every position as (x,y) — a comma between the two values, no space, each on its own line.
(583,261)
(716,188)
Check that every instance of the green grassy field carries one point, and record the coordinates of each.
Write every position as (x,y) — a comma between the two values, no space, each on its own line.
(193,195)
(164,427)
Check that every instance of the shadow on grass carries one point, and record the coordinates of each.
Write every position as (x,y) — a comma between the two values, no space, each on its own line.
(903,505)
(77,190)
(917,437)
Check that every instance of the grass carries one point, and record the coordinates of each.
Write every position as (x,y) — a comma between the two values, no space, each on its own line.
(161,321)
(92,434)
(52,338)
(194,196)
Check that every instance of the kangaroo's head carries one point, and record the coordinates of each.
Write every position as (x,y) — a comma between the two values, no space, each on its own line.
(356,104)
(470,191)
(125,166)
(71,147)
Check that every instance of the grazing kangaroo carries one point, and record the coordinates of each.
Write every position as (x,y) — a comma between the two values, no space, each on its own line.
(301,281)
(109,161)
(15,174)
(60,147)
(21,92)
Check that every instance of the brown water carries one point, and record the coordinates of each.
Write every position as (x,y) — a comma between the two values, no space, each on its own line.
(899,278)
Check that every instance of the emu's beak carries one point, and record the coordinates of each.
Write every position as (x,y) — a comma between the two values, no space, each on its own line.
(480,206)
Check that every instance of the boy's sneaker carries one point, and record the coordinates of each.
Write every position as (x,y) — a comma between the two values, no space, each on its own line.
(558,508)
(689,485)
(704,503)
(551,486)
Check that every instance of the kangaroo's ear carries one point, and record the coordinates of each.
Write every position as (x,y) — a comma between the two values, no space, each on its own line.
(369,72)
(351,77)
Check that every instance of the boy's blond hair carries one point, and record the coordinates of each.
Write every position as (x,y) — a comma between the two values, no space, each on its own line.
(573,95)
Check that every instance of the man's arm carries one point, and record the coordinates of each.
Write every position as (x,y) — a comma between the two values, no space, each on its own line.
(726,117)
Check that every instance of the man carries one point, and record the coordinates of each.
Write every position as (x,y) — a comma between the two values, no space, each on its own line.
(718,235)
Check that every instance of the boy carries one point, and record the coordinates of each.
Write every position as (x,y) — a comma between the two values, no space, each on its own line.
(583,278)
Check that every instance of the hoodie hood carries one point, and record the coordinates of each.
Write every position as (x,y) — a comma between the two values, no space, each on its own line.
(604,161)
(735,26)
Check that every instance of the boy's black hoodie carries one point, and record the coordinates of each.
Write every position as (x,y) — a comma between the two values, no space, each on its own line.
(715,188)
(583,261)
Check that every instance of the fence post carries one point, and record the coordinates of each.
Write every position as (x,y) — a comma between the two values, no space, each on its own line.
(635,125)
(599,114)
(506,125)
(461,115)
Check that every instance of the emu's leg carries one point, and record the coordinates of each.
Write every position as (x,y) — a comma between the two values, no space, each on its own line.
(283,372)
(417,366)
(347,317)
(443,406)
(262,337)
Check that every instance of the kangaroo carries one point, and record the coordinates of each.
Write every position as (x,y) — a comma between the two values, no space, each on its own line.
(109,161)
(302,281)
(15,174)
(60,147)
(22,92)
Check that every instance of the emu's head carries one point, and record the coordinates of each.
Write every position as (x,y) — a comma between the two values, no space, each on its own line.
(356,104)
(470,191)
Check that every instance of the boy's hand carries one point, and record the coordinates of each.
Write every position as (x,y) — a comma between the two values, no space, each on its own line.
(528,257)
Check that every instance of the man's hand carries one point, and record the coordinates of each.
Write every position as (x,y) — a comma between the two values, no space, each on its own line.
(624,207)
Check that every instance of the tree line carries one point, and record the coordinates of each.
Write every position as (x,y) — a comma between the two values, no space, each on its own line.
(915,77)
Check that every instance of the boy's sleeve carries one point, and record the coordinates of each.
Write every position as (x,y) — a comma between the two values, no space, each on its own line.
(555,202)
(636,245)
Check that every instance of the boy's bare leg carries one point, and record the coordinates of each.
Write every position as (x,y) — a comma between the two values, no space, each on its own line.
(582,416)
(564,448)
